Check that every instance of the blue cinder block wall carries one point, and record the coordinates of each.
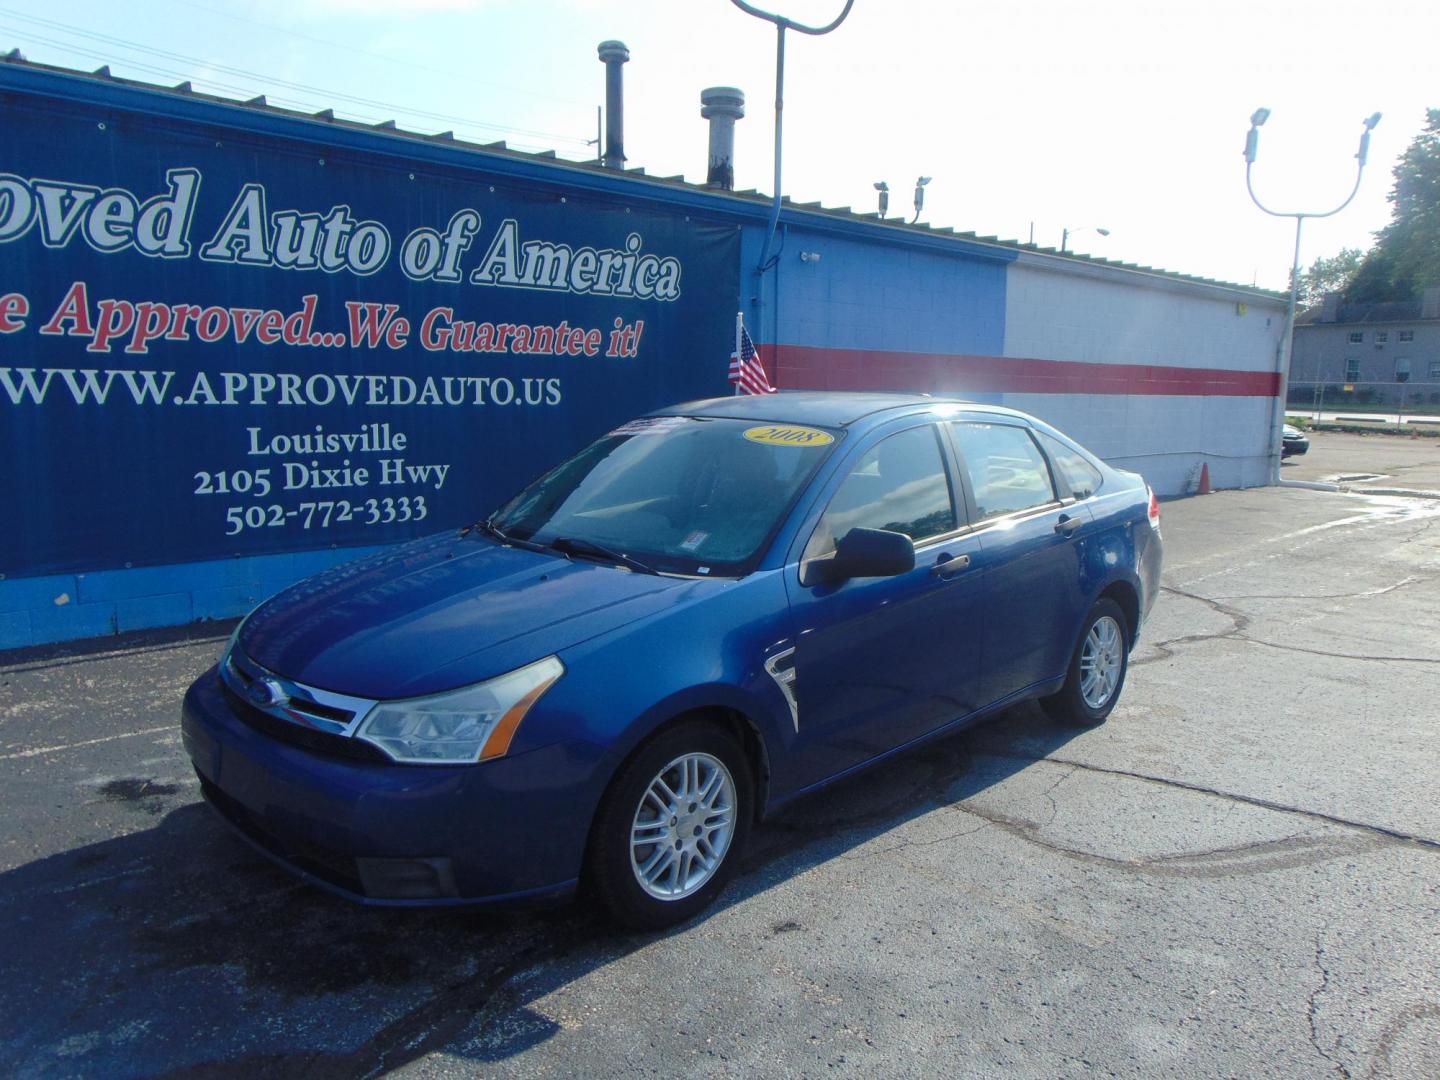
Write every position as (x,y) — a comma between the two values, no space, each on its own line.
(64,607)
(852,294)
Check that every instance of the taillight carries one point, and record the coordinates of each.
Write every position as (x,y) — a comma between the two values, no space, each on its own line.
(1154,511)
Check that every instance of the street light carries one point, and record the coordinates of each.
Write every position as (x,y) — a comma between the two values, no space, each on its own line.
(920,183)
(884,189)
(1282,357)
(781,25)
(1065,234)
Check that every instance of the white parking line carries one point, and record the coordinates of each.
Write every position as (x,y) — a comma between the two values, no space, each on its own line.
(37,751)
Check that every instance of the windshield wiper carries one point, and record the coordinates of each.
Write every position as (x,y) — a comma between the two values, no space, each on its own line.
(574,545)
(490,529)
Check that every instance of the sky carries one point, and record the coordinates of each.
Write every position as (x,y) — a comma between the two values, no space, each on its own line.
(1126,115)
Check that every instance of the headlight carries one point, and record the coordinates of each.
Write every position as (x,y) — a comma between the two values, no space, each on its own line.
(462,726)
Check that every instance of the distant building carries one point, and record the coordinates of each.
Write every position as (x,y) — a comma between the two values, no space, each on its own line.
(1368,354)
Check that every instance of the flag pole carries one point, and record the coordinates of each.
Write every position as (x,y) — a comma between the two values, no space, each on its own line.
(739,357)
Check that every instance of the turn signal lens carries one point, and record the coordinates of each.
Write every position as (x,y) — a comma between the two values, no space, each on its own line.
(1154,510)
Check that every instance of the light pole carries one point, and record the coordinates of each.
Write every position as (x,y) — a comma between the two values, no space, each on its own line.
(781,25)
(1282,358)
(1065,235)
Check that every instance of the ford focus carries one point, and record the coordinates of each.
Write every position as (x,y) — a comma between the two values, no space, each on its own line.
(707,613)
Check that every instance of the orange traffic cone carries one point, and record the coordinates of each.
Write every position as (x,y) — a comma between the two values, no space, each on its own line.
(1205,488)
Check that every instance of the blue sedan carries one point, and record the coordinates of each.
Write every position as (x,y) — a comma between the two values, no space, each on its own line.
(707,613)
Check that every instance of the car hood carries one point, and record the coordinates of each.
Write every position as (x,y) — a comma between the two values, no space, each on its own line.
(444,612)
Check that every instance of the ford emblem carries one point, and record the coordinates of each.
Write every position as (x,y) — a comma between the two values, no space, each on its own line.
(265,693)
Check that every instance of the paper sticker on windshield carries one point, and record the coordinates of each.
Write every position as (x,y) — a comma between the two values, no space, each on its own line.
(650,425)
(788,435)
(694,540)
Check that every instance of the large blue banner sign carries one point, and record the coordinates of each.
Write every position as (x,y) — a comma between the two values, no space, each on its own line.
(217,342)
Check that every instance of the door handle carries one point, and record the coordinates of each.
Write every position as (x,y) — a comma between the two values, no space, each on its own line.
(946,566)
(1067,524)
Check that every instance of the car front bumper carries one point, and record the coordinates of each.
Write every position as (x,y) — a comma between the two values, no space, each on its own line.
(506,831)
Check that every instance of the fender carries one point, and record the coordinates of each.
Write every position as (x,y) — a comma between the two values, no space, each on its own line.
(669,664)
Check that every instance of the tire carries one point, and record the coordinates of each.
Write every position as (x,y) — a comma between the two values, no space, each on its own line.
(1080,702)
(663,877)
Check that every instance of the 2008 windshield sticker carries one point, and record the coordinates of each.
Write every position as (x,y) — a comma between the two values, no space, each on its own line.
(787,435)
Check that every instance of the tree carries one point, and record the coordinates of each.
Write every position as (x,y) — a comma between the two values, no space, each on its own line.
(1329,275)
(1406,257)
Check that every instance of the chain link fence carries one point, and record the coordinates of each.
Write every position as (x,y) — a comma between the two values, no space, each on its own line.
(1393,402)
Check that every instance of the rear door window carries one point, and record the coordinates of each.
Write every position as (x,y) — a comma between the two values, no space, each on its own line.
(1073,467)
(1006,469)
(900,484)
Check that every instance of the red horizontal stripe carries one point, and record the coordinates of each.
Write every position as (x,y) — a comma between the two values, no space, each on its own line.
(808,367)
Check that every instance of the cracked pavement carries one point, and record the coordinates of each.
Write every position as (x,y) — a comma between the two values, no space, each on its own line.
(1238,874)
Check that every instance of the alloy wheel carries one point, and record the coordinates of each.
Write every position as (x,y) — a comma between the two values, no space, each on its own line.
(683,826)
(1100,662)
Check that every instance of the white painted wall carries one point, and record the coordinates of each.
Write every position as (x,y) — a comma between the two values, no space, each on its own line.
(1059,310)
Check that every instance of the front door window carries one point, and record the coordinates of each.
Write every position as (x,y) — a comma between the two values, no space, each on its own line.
(900,485)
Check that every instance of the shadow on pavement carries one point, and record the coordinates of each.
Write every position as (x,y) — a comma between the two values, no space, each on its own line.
(176,950)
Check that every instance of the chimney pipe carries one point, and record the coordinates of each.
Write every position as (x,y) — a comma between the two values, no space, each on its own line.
(612,55)
(722,106)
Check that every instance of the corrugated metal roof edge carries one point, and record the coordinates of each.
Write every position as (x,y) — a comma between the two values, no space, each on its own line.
(749,203)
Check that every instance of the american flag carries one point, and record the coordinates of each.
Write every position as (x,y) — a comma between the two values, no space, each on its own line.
(746,371)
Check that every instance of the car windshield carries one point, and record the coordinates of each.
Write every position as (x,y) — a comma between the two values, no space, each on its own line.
(695,495)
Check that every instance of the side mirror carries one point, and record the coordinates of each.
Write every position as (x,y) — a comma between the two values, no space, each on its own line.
(865,553)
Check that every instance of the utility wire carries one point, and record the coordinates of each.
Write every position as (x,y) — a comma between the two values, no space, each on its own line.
(331,95)
(398,61)
(238,92)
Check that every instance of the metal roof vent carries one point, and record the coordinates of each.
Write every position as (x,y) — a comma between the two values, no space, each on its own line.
(614,54)
(722,106)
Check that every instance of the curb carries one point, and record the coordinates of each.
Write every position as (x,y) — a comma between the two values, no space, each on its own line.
(1406,493)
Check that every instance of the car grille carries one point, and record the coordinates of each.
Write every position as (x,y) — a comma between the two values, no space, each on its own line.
(315,720)
(323,743)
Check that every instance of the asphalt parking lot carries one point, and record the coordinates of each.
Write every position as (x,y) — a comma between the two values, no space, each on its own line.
(1236,875)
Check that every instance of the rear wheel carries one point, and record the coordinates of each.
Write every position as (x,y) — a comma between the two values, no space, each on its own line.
(670,830)
(1097,668)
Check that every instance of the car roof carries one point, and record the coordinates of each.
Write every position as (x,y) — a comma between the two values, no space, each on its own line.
(826,408)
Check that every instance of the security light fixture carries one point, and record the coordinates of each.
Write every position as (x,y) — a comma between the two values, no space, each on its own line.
(920,183)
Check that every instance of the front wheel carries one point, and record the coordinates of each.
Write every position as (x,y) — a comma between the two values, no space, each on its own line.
(1097,668)
(670,830)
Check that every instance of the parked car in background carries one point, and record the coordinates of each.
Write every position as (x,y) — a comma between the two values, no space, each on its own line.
(1293,441)
(705,614)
